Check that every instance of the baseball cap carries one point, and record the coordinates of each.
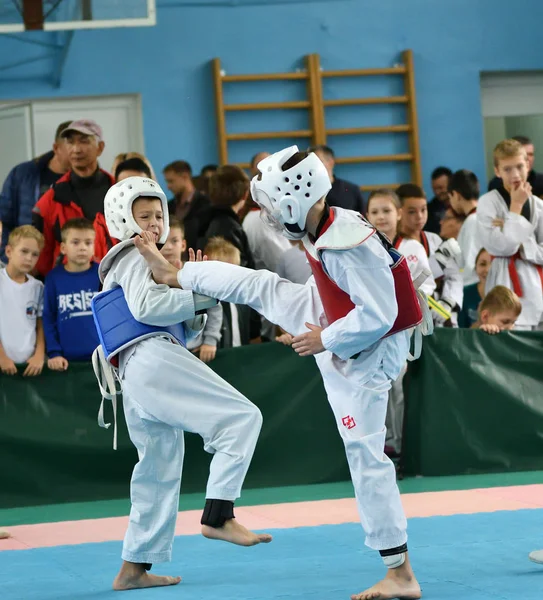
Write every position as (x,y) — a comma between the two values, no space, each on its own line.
(84,126)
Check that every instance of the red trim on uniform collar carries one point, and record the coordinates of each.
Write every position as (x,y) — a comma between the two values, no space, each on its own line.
(398,239)
(472,211)
(325,222)
(424,242)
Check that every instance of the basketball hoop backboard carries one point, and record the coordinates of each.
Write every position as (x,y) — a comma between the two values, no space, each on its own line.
(17,16)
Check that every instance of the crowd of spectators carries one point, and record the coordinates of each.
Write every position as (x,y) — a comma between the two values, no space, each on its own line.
(482,252)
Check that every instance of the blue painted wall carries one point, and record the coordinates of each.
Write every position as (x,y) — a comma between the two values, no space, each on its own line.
(169,65)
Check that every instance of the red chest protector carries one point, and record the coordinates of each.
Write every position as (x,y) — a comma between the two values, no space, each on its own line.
(337,303)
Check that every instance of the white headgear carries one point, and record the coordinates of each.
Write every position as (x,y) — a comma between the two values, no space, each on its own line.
(285,197)
(118,207)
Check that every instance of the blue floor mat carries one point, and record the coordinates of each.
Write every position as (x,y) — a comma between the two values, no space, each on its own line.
(463,557)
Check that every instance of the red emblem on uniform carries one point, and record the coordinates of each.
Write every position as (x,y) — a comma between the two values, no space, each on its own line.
(349,422)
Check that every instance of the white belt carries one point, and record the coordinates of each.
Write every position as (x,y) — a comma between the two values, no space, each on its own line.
(107,378)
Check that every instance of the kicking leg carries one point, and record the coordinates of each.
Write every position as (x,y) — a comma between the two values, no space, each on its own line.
(282,302)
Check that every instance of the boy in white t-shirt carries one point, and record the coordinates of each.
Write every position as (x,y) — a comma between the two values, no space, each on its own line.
(21,298)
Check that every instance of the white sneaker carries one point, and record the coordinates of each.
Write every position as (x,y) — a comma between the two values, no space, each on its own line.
(536,556)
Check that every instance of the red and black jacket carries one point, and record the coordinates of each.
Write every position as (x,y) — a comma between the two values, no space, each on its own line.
(56,207)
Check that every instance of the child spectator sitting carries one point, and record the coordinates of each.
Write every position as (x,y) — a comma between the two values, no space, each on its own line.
(70,333)
(241,325)
(205,344)
(510,227)
(474,293)
(228,191)
(499,310)
(21,299)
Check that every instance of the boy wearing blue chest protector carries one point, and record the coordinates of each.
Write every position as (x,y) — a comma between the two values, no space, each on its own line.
(143,327)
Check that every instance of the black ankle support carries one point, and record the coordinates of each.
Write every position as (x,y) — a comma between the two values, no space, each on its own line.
(147,566)
(393,551)
(217,512)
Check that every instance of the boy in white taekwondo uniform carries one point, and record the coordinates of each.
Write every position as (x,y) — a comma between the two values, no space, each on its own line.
(143,327)
(510,228)
(366,306)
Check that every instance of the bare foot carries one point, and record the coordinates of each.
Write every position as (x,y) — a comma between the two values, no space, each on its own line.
(398,583)
(163,271)
(133,576)
(235,533)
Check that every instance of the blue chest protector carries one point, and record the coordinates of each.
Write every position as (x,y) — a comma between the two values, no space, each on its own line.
(117,328)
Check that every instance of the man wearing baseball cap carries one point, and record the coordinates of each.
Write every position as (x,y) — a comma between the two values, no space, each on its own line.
(79,193)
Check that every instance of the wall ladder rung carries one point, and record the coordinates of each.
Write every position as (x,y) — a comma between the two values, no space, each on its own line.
(264,77)
(366,130)
(268,105)
(365,101)
(352,160)
(384,186)
(268,135)
(400,70)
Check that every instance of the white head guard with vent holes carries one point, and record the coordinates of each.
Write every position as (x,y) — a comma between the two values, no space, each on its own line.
(285,197)
(118,207)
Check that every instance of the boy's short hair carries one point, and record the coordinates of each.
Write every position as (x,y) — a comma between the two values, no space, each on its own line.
(387,193)
(410,190)
(24,232)
(178,166)
(217,248)
(465,183)
(79,224)
(326,150)
(507,149)
(500,299)
(522,139)
(228,185)
(133,164)
(175,223)
(439,172)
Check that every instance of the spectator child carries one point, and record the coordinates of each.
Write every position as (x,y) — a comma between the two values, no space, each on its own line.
(70,333)
(443,256)
(241,325)
(21,299)
(228,191)
(474,293)
(510,227)
(499,310)
(384,213)
(464,192)
(205,343)
(450,224)
(132,167)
